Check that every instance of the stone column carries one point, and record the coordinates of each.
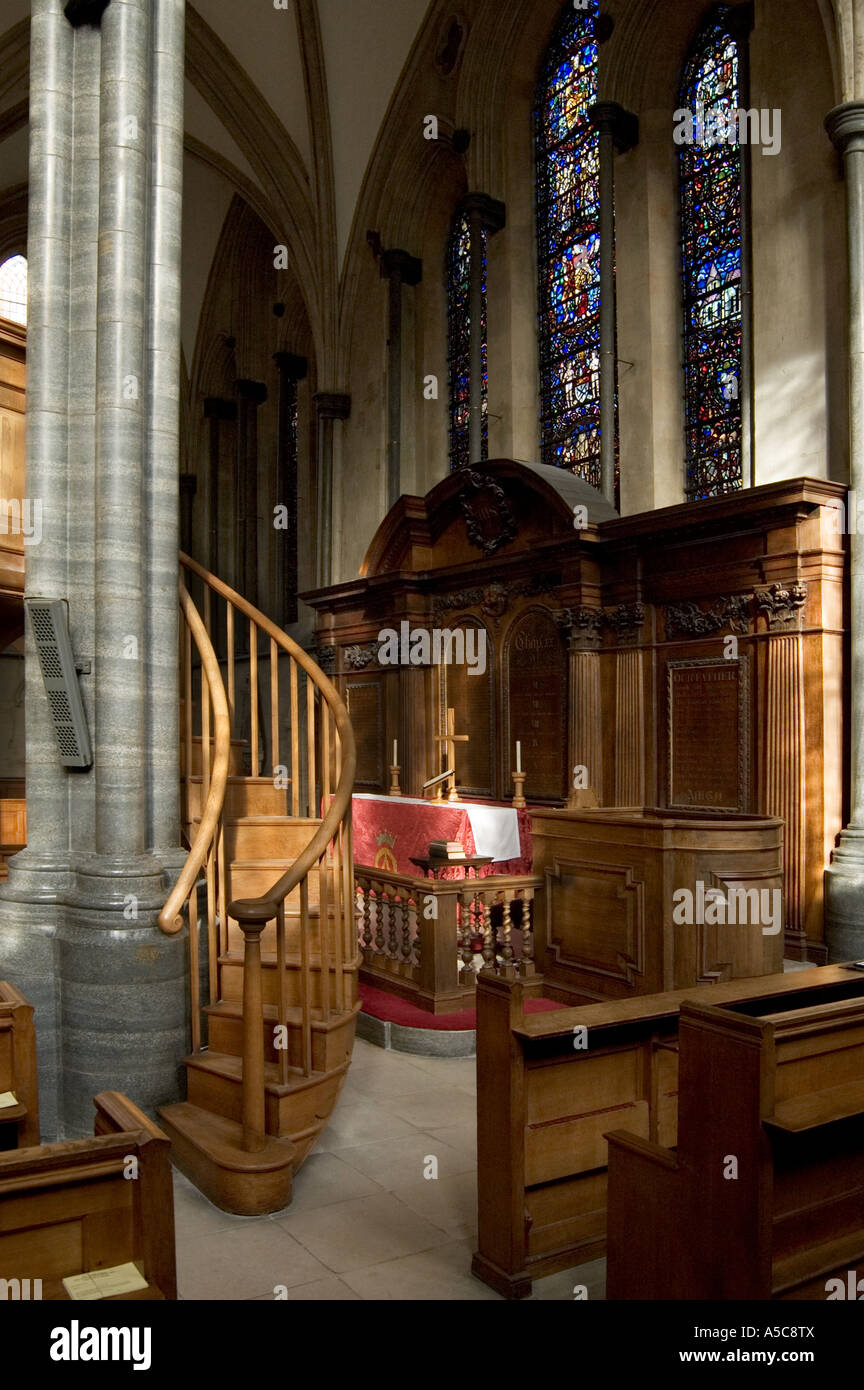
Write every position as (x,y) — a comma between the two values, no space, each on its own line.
(78,915)
(400,269)
(251,395)
(785,782)
(329,406)
(218,411)
(292,369)
(619,130)
(486,216)
(844,878)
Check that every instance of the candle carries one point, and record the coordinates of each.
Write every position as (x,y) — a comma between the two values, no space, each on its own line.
(518,757)
(395,753)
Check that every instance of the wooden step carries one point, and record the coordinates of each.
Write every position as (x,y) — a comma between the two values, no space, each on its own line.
(332,1038)
(277,837)
(244,796)
(297,1110)
(231,978)
(208,1148)
(235,758)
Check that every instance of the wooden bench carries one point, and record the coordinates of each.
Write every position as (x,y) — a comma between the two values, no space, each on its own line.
(19,1124)
(764,1198)
(75,1207)
(544,1108)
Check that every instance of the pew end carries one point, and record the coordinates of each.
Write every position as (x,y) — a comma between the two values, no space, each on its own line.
(84,1205)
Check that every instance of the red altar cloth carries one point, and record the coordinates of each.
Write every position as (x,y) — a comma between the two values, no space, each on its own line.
(390,830)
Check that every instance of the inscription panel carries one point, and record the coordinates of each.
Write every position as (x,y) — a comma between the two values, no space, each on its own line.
(364,709)
(537,706)
(709,735)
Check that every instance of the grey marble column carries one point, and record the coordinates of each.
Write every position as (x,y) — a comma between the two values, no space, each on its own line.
(329,407)
(619,130)
(844,878)
(162,436)
(78,915)
(400,269)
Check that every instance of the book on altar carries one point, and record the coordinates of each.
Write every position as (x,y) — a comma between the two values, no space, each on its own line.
(446,849)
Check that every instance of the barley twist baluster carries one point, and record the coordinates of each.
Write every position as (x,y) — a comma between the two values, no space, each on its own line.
(528,932)
(488,935)
(408,912)
(392,938)
(467,952)
(506,928)
(379,918)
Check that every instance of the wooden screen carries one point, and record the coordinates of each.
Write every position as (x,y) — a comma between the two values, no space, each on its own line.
(364,707)
(536,705)
(471,697)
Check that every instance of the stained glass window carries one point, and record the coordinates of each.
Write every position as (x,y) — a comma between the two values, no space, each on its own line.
(568,244)
(711,239)
(459,342)
(13,289)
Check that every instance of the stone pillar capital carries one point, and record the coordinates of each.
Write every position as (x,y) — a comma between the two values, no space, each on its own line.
(80,12)
(330,405)
(611,119)
(402,264)
(254,391)
(491,212)
(291,365)
(845,126)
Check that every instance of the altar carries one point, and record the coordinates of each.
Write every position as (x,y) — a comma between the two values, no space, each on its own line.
(390,831)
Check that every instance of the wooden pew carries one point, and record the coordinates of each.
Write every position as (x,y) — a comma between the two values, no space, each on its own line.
(70,1208)
(764,1198)
(19,1124)
(544,1108)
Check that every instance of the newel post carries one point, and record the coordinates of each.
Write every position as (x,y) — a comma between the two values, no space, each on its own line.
(254,1120)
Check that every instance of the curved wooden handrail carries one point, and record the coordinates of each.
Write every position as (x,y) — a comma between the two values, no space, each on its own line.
(263,909)
(171,918)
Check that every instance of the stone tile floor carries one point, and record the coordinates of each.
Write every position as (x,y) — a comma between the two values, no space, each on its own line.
(365,1223)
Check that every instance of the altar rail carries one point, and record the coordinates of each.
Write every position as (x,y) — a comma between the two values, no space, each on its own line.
(425,939)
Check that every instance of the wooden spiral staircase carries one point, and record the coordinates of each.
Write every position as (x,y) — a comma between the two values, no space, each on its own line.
(267,893)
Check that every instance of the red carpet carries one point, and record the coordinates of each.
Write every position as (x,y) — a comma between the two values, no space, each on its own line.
(390,1009)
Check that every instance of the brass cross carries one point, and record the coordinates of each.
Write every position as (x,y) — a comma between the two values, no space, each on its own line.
(450,739)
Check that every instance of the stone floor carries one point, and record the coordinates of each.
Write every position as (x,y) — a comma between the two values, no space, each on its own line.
(365,1223)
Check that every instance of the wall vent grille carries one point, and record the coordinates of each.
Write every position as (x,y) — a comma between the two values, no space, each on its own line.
(49,623)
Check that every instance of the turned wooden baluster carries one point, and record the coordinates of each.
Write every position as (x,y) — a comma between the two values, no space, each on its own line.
(392,934)
(254,1121)
(468,907)
(365,889)
(528,932)
(379,917)
(506,928)
(409,914)
(488,934)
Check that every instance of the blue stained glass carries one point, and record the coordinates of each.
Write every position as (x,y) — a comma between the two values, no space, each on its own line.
(568,247)
(459,343)
(712,249)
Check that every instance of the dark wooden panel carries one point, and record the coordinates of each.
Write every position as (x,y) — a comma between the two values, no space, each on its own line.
(364,707)
(536,696)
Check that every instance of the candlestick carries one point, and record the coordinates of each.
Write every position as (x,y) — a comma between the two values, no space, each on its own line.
(395,789)
(518,757)
(519,789)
